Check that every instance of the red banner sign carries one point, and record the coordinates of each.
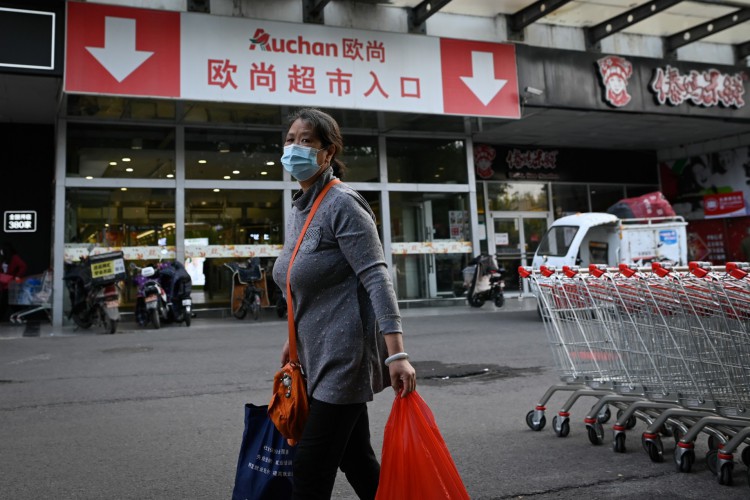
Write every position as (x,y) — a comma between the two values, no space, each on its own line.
(724,205)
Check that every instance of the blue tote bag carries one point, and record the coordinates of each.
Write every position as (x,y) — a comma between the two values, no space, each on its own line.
(264,468)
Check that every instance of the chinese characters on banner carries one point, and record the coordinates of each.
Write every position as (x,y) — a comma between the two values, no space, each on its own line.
(139,52)
(301,65)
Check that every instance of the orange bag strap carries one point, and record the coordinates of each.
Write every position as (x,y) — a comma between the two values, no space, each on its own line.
(289,306)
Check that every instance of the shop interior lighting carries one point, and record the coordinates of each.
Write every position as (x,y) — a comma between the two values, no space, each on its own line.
(126,159)
(235,172)
(223,147)
(201,161)
(113,163)
(216,190)
(123,189)
(270,163)
(137,143)
(227,177)
(264,173)
(88,177)
(169,176)
(129,169)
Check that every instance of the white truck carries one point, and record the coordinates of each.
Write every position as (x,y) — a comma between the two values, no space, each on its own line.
(602,238)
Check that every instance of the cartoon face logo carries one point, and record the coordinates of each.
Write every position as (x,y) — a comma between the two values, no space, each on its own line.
(483,156)
(615,72)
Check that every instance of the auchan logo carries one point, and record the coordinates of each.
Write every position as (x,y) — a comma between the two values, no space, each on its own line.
(264,41)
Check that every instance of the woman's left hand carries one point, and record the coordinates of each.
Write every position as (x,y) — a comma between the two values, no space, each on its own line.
(403,376)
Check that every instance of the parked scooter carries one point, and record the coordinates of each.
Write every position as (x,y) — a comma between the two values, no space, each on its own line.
(178,285)
(151,299)
(245,296)
(163,294)
(93,290)
(483,281)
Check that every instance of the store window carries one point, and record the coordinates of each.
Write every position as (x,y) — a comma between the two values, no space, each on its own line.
(123,152)
(430,235)
(120,217)
(517,196)
(569,199)
(120,108)
(604,196)
(350,119)
(361,158)
(217,154)
(436,161)
(234,216)
(230,113)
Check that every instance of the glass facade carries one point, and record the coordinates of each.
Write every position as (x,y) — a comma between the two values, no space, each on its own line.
(220,154)
(234,216)
(96,151)
(119,217)
(441,161)
(203,181)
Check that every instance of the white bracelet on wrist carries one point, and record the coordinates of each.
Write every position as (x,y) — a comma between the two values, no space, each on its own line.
(396,357)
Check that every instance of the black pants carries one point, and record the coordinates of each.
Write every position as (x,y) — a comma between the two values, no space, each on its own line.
(335,436)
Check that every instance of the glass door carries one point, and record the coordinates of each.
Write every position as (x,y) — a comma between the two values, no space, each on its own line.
(419,279)
(514,240)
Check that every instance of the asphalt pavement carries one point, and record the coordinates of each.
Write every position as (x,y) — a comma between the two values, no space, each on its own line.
(158,414)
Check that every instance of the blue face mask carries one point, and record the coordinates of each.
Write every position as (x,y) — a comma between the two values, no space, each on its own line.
(300,161)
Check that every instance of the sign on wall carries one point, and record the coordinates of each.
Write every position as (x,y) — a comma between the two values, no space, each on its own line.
(126,51)
(27,39)
(19,221)
(715,185)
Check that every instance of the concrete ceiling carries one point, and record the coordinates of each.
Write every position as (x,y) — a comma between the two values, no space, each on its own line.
(587,13)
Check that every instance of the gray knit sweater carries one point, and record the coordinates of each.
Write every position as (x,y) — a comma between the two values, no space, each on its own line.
(343,296)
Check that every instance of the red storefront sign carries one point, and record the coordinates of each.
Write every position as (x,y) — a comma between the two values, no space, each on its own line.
(138,52)
(724,205)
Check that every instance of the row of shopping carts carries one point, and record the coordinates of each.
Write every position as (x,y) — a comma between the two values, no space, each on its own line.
(666,345)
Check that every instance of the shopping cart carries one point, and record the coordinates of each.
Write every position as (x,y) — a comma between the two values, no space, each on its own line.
(586,367)
(34,292)
(668,346)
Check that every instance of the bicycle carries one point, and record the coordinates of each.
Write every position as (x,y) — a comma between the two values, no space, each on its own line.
(245,295)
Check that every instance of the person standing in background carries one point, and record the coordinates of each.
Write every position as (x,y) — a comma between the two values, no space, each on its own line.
(12,266)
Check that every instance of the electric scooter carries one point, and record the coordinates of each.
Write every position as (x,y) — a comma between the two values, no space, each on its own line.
(483,281)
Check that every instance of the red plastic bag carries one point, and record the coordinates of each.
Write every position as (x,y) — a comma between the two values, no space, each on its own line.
(415,463)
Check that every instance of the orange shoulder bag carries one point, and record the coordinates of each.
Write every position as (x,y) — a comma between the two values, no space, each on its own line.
(289,408)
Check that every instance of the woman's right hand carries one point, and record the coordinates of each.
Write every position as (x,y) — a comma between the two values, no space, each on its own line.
(285,353)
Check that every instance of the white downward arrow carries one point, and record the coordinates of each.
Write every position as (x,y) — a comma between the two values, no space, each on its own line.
(119,55)
(482,81)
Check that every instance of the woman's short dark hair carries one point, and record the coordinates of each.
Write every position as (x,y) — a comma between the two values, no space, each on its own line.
(327,130)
